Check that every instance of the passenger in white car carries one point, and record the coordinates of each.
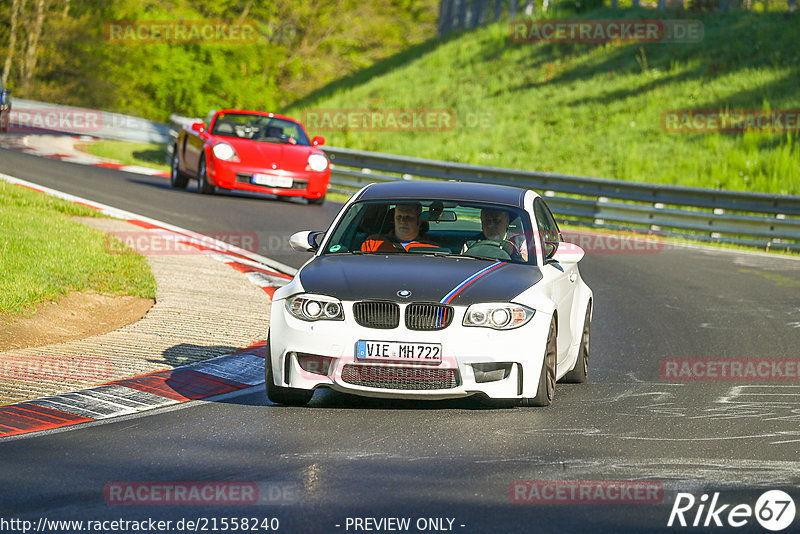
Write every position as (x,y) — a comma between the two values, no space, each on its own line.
(494,225)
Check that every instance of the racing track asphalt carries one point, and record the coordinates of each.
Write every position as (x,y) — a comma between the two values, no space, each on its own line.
(353,457)
(153,197)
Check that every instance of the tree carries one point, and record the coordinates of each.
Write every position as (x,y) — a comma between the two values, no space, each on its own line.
(29,65)
(57,51)
(16,8)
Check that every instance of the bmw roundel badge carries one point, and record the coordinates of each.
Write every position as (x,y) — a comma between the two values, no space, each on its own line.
(404,293)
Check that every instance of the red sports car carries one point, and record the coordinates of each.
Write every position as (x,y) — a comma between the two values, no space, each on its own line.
(251,151)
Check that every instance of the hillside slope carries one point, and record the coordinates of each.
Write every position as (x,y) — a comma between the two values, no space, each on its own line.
(589,109)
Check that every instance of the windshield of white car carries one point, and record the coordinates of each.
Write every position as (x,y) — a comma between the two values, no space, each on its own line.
(259,128)
(436,228)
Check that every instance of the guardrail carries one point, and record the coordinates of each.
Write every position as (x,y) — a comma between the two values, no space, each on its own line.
(31,115)
(758,219)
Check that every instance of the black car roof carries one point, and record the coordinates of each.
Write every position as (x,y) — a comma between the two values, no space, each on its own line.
(455,191)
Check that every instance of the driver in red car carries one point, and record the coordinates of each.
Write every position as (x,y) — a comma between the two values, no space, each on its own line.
(406,234)
(494,224)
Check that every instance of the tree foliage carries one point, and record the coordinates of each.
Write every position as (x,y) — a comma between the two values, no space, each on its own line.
(301,46)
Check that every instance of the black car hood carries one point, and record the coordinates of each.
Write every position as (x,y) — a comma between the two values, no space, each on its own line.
(428,278)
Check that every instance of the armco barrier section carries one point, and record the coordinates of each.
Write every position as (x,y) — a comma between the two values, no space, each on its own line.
(759,219)
(33,116)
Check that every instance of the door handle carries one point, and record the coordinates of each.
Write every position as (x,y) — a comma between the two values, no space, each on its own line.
(573,277)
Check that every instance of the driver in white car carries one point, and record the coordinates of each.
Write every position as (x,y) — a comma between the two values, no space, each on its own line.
(407,232)
(494,224)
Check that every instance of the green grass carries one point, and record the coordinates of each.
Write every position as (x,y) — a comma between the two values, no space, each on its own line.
(591,109)
(44,254)
(151,155)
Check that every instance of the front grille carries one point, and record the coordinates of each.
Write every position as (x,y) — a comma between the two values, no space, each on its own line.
(405,378)
(246,178)
(377,314)
(428,316)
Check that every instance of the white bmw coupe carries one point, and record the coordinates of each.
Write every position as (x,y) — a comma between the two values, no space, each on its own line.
(433,290)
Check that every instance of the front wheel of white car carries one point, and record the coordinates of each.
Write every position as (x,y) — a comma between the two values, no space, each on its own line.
(279,394)
(579,373)
(547,376)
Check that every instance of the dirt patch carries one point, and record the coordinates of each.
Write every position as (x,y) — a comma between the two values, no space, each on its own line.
(82,147)
(76,316)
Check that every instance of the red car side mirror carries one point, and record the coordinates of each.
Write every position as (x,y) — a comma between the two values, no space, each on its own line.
(198,127)
(318,140)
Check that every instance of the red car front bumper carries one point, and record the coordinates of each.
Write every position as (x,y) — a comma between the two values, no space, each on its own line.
(233,175)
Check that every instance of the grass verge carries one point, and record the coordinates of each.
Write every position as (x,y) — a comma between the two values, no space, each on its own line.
(44,254)
(151,155)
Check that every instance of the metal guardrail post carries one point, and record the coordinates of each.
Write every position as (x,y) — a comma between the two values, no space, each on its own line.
(530,6)
(498,9)
(445,17)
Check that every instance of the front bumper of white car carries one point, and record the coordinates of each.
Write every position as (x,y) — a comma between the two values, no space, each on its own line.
(502,364)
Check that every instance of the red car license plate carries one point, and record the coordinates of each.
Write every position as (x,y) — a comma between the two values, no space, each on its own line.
(272,181)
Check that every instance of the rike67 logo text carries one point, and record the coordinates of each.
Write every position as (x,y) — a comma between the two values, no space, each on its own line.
(774,510)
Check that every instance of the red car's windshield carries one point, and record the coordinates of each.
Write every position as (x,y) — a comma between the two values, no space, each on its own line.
(259,128)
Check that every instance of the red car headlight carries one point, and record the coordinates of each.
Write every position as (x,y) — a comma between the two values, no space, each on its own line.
(225,152)
(317,162)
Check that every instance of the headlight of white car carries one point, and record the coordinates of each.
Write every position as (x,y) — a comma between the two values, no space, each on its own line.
(317,162)
(225,152)
(500,316)
(315,307)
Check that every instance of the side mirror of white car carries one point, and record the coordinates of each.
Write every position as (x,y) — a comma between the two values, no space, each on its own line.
(568,253)
(305,241)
